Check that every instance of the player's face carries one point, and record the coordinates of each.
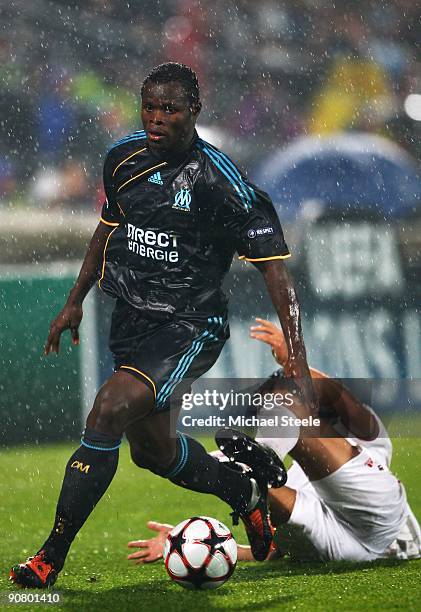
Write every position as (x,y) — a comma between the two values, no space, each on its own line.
(167,117)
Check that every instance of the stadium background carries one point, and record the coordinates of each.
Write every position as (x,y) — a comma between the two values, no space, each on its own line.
(337,87)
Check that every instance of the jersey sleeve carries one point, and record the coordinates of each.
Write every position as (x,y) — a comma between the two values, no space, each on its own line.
(250,218)
(111,213)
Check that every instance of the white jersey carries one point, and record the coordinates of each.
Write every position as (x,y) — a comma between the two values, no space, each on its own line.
(360,512)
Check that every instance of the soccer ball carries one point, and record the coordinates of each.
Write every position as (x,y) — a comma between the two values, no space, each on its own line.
(200,553)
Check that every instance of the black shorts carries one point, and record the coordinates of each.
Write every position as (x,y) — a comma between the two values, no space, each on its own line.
(163,354)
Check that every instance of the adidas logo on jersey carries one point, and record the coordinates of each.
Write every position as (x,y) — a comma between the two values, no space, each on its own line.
(156,178)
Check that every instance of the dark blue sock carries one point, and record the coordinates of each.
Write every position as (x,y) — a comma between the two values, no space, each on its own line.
(193,468)
(88,474)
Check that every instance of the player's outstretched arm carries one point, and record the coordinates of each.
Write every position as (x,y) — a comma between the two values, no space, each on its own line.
(152,550)
(71,314)
(244,554)
(285,301)
(330,393)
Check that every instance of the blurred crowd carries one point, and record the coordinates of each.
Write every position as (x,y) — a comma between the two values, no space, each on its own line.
(269,71)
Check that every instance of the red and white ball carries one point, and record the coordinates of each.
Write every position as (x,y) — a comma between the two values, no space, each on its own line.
(200,553)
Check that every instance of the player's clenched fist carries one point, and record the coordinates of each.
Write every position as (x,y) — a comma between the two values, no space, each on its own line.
(69,318)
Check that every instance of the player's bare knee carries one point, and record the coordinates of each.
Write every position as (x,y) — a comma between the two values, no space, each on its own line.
(108,412)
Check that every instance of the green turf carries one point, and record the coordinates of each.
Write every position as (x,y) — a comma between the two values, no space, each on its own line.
(97,575)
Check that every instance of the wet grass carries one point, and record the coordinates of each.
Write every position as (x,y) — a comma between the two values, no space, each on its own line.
(97,575)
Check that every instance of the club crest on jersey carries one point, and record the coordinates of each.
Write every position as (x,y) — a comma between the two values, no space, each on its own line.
(182,200)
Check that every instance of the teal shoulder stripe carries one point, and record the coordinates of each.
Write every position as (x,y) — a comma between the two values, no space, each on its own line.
(238,185)
(232,167)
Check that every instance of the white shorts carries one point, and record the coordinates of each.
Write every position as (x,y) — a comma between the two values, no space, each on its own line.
(354,514)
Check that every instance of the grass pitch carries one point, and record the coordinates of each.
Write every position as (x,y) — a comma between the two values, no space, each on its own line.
(97,575)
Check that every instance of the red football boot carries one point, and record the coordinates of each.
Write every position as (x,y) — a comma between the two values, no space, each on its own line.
(258,526)
(37,572)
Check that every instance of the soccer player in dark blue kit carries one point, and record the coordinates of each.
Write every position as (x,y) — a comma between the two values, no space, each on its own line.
(177,210)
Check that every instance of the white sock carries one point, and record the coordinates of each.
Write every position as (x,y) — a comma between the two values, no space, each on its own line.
(284,438)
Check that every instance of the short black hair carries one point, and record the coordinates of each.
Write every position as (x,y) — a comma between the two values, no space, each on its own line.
(173,71)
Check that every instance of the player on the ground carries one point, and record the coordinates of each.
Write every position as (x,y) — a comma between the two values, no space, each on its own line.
(340,502)
(177,210)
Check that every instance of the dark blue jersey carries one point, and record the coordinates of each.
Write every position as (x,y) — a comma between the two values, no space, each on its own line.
(178,223)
